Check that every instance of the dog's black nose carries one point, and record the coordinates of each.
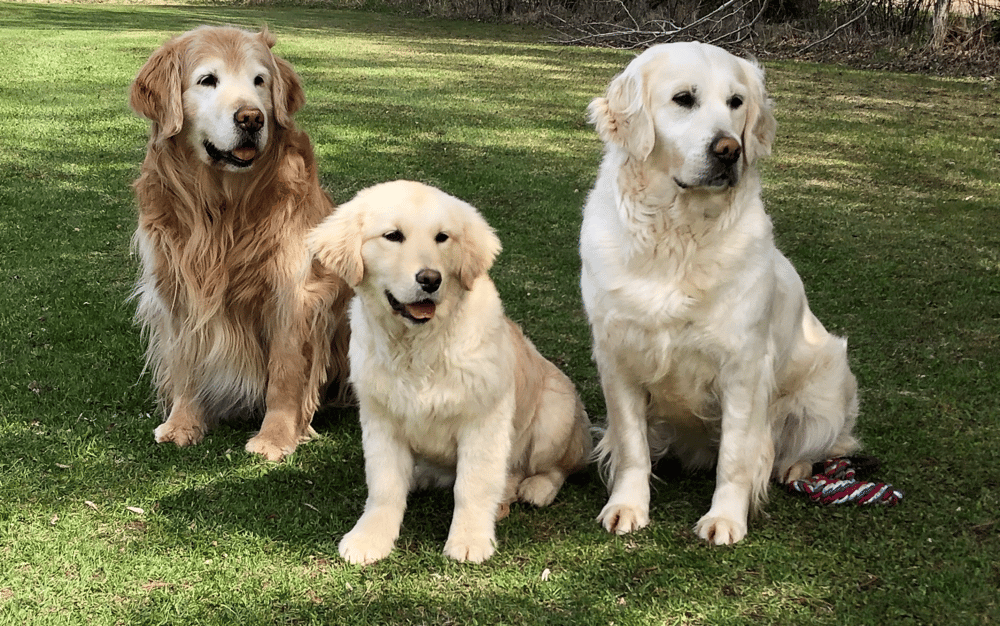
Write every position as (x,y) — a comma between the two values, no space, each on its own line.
(429,280)
(250,119)
(726,149)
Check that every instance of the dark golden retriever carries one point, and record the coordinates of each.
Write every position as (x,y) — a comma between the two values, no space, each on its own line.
(239,321)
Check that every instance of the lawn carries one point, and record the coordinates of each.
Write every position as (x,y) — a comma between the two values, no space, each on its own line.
(885,193)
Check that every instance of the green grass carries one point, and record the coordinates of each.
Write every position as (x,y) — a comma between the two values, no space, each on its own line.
(884,191)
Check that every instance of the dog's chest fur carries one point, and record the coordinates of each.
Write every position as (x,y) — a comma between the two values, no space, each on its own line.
(432,382)
(665,306)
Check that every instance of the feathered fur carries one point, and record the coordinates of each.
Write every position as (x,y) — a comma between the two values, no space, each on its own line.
(239,321)
(450,390)
(703,336)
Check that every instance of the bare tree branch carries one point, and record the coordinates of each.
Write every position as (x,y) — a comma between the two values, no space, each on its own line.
(833,33)
(658,31)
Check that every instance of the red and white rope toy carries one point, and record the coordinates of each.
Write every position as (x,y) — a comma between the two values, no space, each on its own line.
(835,483)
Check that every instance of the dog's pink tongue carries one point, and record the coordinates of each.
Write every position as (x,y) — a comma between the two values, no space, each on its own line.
(421,310)
(245,154)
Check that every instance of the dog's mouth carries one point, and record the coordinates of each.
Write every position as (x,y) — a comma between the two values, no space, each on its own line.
(241,157)
(718,182)
(419,312)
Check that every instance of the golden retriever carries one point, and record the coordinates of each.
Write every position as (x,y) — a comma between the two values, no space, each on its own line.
(702,335)
(450,390)
(238,321)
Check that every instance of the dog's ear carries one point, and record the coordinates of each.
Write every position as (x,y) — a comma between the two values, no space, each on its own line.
(761,126)
(156,91)
(286,87)
(622,117)
(479,246)
(336,243)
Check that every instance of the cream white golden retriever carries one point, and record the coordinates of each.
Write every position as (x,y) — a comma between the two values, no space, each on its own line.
(239,323)
(703,338)
(450,390)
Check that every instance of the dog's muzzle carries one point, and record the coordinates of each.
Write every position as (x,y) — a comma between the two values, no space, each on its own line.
(421,311)
(723,170)
(724,156)
(249,121)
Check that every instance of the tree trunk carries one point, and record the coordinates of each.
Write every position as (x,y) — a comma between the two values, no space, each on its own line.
(940,23)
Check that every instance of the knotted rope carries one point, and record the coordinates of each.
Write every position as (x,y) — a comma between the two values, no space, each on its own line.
(834,482)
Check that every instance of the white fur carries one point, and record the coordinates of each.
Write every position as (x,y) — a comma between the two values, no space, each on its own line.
(210,107)
(461,398)
(703,337)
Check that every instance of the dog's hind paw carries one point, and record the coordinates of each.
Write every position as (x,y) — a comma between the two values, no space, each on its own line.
(622,519)
(796,471)
(540,489)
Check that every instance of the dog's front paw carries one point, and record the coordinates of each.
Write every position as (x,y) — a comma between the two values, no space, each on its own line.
(470,548)
(720,531)
(622,519)
(270,449)
(361,548)
(181,434)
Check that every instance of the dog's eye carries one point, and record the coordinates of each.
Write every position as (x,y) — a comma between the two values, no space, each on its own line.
(208,80)
(735,102)
(258,81)
(394,236)
(684,99)
(441,237)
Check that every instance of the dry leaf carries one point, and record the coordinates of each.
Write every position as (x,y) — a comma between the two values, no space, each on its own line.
(135,510)
(52,522)
(90,504)
(61,466)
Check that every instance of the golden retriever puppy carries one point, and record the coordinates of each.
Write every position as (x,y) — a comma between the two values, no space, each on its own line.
(238,321)
(450,390)
(702,335)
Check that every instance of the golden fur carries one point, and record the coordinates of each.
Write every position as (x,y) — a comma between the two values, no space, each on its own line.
(450,390)
(703,336)
(239,322)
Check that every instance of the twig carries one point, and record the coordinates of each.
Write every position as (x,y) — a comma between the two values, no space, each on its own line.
(748,27)
(659,30)
(833,33)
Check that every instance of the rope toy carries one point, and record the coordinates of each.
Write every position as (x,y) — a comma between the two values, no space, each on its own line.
(833,482)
